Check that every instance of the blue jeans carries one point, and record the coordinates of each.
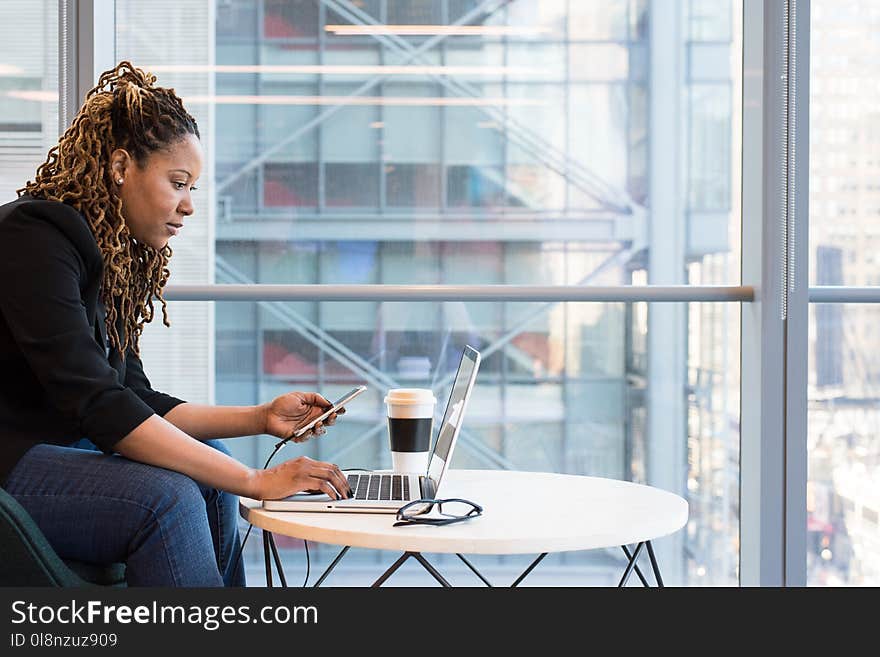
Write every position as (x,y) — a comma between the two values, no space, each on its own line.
(168,529)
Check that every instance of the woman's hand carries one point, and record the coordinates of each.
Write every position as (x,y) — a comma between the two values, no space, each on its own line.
(301,474)
(287,413)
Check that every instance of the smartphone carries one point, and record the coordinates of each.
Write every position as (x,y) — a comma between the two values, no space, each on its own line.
(339,403)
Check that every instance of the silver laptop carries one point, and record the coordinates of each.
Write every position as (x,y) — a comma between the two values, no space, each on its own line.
(385,492)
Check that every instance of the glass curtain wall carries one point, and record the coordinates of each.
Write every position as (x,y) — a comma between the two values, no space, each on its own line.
(843,494)
(467,142)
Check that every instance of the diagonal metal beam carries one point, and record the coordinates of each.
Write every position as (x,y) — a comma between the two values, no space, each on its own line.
(337,350)
(488,6)
(558,161)
(313,333)
(478,446)
(320,338)
(616,259)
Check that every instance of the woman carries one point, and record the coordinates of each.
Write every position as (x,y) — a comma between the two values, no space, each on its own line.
(83,252)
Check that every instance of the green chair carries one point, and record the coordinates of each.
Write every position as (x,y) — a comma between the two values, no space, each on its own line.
(28,559)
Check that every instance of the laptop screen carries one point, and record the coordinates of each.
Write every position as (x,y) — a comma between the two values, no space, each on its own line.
(452,418)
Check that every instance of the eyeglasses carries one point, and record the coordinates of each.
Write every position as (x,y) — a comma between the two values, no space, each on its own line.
(457,510)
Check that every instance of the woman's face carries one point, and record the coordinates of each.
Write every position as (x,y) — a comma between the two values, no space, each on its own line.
(157,198)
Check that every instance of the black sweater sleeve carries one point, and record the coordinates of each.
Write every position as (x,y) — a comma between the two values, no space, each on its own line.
(140,385)
(42,304)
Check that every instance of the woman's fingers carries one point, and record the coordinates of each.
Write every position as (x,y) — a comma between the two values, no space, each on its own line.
(324,486)
(342,479)
(330,473)
(305,474)
(334,475)
(332,419)
(314,432)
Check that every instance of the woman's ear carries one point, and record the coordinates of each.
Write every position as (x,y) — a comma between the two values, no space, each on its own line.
(120,165)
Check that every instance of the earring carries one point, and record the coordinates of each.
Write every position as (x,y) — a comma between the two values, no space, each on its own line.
(119,181)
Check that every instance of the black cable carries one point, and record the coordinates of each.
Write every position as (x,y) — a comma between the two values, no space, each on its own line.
(240,550)
(308,565)
(278,446)
(306,543)
(250,526)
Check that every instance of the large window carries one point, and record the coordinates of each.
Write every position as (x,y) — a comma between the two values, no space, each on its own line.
(28,90)
(844,417)
(514,153)
(558,142)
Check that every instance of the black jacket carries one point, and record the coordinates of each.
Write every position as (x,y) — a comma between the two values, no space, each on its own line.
(59,382)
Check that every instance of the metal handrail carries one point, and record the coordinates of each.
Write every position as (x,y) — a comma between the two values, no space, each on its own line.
(844,294)
(621,293)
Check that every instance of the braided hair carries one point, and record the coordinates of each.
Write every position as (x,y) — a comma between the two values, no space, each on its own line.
(124,110)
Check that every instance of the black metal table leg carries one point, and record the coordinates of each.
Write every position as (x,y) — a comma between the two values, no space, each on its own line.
(418,557)
(631,565)
(266,556)
(638,571)
(277,560)
(388,573)
(654,566)
(475,571)
(332,566)
(269,546)
(528,570)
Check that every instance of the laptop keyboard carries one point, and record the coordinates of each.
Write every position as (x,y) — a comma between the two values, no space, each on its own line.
(379,486)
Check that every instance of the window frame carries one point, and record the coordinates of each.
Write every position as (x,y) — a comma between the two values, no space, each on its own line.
(774,345)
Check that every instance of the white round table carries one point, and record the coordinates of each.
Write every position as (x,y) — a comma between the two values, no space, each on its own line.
(523,512)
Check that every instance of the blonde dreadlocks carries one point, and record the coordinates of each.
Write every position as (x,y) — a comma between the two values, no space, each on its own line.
(125,111)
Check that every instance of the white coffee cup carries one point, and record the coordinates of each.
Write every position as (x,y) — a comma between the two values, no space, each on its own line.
(410,421)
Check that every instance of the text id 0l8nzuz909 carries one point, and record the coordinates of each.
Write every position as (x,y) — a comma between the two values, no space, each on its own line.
(339,403)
